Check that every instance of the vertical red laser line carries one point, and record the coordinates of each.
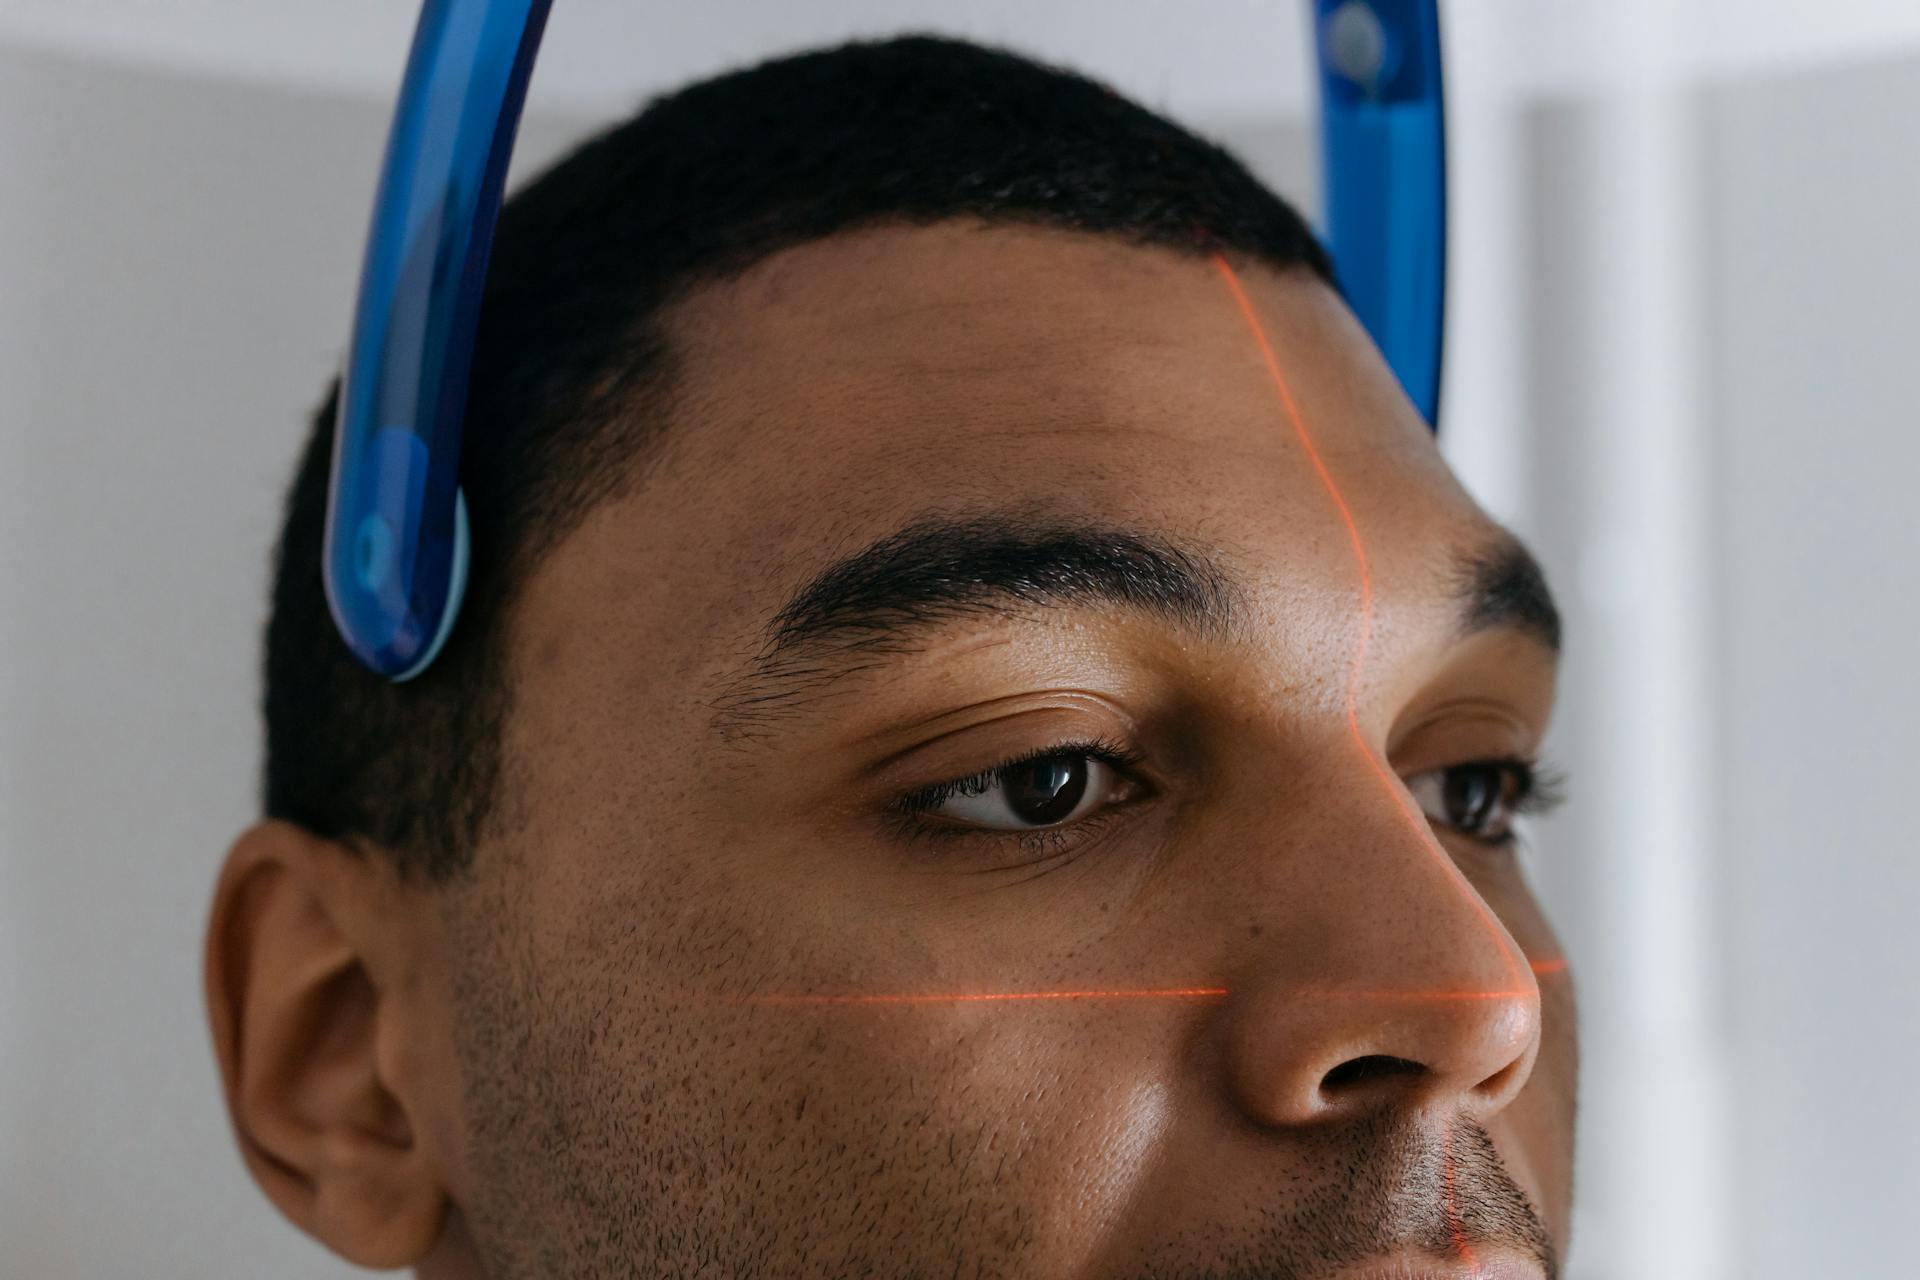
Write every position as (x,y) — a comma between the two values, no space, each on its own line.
(1375,764)
(1415,820)
(1454,1229)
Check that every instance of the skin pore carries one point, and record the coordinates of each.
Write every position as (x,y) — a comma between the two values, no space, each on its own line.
(694,1013)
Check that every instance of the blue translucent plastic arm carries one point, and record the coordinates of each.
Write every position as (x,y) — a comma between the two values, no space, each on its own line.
(1383,144)
(395,557)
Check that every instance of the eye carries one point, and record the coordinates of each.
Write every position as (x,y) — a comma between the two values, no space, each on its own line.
(1053,788)
(1479,799)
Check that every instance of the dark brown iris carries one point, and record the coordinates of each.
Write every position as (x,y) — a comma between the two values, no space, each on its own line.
(1045,791)
(1471,795)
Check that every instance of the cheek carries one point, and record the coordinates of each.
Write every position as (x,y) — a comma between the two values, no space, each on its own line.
(1119,1135)
(1038,1120)
(1044,1122)
(1051,1110)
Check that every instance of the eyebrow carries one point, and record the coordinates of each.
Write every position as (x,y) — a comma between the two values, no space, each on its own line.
(1501,585)
(884,600)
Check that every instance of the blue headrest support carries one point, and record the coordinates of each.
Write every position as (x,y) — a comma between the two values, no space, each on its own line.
(396,548)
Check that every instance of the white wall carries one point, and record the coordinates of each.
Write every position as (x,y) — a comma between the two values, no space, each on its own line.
(1680,362)
(1717,335)
(1815,272)
(177,264)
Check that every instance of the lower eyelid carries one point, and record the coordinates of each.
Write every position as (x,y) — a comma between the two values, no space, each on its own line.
(1063,838)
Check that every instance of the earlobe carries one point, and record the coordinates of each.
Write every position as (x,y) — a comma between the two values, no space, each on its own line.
(297,1009)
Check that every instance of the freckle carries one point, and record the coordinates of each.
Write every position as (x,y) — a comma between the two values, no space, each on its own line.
(1253,931)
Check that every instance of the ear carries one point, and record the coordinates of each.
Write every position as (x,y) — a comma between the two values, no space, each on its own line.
(303,978)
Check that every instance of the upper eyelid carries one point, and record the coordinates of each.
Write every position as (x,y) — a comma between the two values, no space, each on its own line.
(1118,756)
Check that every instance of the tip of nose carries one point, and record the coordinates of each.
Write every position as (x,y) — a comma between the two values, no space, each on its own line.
(1479,1061)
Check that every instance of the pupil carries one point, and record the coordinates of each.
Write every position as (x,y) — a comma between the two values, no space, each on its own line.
(1470,798)
(1045,791)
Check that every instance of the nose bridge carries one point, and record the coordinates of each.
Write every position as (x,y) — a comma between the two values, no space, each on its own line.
(1404,915)
(1371,970)
(1389,976)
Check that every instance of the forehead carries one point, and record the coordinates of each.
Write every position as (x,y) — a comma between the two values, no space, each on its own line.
(840,389)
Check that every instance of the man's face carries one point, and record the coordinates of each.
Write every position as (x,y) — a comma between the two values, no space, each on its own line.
(771,973)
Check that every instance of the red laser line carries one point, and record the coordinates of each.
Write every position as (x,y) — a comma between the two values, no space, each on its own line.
(1416,997)
(972,997)
(1378,767)
(1423,835)
(1143,993)
(1454,1229)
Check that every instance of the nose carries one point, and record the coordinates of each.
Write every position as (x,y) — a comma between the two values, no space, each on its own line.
(1389,983)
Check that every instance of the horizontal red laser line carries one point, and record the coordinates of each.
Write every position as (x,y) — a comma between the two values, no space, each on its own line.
(1417,997)
(1554,965)
(975,997)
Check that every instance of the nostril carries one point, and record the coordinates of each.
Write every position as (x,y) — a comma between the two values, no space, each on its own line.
(1508,1077)
(1364,1070)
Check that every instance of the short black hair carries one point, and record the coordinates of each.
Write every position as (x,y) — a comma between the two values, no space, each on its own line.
(572,379)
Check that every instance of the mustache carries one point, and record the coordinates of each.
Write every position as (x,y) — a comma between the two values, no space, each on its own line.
(1383,1185)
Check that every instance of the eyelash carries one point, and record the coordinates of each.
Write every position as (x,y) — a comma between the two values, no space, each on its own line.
(1041,842)
(1537,789)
